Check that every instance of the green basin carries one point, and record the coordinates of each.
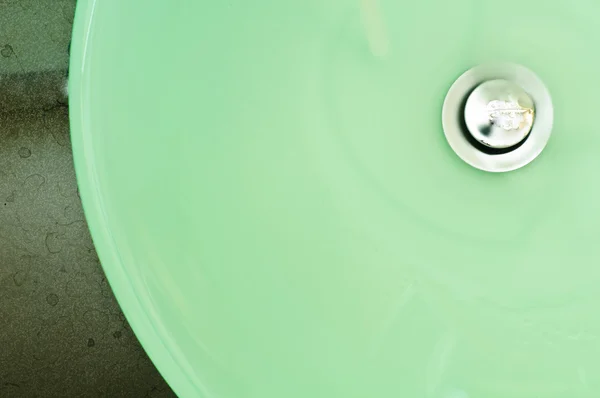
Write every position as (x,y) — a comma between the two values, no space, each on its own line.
(276,207)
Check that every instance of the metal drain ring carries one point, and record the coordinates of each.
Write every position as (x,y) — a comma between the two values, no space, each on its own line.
(490,159)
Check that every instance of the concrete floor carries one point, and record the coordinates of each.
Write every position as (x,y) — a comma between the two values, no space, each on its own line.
(62,333)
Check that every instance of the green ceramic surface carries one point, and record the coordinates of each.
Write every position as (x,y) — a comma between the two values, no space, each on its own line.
(278,212)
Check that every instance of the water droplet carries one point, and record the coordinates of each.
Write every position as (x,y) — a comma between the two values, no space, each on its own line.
(52,299)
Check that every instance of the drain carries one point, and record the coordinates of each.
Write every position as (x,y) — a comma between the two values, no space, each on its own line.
(498,117)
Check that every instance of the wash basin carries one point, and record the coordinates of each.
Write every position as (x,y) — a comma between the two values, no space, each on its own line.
(289,199)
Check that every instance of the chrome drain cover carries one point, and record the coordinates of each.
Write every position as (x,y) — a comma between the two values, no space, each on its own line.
(498,117)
